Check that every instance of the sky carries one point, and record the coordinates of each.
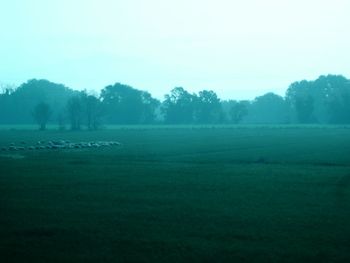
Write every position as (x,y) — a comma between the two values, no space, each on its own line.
(239,49)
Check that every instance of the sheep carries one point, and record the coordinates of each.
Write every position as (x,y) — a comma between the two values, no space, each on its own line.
(60,144)
(12,148)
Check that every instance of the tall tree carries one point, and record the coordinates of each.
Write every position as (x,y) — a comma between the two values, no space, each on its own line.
(337,99)
(42,113)
(149,106)
(92,110)
(325,100)
(237,111)
(207,107)
(305,109)
(179,106)
(75,111)
(301,102)
(269,109)
(28,95)
(126,105)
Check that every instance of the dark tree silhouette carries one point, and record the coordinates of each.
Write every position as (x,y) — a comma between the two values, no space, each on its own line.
(305,108)
(179,106)
(269,109)
(324,100)
(207,107)
(149,106)
(42,113)
(238,110)
(126,105)
(337,99)
(75,111)
(301,102)
(28,95)
(61,121)
(92,110)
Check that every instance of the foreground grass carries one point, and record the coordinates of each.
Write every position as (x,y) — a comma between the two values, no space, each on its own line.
(204,194)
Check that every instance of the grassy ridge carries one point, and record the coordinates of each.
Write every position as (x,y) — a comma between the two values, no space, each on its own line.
(197,195)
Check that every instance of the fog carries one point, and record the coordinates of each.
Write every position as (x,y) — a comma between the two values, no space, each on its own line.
(240,49)
(174,131)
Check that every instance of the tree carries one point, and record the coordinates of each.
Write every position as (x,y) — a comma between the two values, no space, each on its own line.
(126,105)
(42,114)
(92,110)
(61,121)
(28,95)
(325,100)
(337,99)
(6,89)
(305,108)
(207,107)
(269,109)
(6,104)
(179,106)
(238,110)
(74,108)
(149,106)
(301,102)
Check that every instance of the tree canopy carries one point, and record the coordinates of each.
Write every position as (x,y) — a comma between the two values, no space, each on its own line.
(325,100)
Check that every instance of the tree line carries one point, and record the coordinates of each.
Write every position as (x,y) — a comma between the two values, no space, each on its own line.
(325,100)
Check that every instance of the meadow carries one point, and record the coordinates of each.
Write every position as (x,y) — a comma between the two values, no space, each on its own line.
(178,194)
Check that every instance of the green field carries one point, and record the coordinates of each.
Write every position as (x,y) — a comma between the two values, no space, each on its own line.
(178,194)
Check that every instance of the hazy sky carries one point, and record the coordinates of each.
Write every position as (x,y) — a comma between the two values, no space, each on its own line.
(240,49)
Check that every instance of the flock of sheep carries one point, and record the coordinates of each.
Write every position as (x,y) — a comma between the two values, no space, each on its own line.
(61,144)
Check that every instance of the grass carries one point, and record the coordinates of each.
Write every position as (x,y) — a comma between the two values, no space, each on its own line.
(197,194)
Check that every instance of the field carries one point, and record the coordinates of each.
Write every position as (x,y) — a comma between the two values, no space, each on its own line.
(178,194)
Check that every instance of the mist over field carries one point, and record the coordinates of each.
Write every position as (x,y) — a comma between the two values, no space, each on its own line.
(174,131)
